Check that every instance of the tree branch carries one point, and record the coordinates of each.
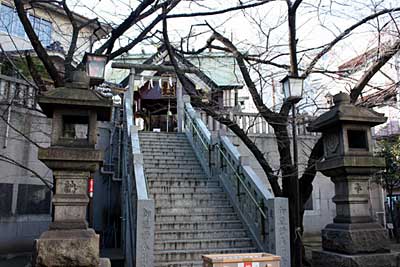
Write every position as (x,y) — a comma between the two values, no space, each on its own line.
(144,32)
(37,45)
(343,35)
(123,27)
(217,12)
(20,165)
(385,56)
(273,179)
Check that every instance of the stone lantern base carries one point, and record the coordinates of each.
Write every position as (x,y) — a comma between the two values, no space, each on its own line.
(68,248)
(332,259)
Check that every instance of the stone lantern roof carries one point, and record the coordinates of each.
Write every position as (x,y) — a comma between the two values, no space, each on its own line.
(344,111)
(76,95)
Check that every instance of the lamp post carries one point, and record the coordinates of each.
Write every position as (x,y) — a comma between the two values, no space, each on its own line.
(293,92)
(95,67)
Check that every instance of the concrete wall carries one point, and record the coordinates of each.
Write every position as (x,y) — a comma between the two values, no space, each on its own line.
(18,230)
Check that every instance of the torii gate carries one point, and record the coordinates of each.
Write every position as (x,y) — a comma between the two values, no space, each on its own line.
(141,67)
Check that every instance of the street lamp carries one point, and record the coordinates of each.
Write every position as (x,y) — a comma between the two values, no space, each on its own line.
(293,88)
(95,67)
(293,92)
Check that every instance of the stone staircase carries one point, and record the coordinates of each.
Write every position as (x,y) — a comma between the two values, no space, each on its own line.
(193,213)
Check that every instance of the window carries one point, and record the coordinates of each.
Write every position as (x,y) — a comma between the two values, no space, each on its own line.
(10,23)
(42,28)
(33,199)
(309,204)
(6,191)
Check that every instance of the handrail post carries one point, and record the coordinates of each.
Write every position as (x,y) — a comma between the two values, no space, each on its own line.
(180,105)
(262,221)
(211,157)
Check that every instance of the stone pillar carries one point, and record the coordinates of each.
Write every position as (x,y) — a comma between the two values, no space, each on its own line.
(70,200)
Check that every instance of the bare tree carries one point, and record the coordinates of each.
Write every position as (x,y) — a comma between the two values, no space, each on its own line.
(279,120)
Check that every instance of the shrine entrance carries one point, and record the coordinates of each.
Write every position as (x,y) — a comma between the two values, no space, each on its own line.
(156,104)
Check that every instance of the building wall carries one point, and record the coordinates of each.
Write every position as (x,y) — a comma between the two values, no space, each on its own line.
(25,212)
(62,32)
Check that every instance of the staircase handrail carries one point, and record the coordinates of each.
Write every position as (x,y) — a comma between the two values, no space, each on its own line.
(200,135)
(139,207)
(265,216)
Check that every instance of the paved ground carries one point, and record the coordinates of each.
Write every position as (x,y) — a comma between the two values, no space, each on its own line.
(314,242)
(19,261)
(310,243)
(24,260)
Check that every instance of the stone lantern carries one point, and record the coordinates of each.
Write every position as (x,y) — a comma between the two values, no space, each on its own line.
(75,110)
(354,238)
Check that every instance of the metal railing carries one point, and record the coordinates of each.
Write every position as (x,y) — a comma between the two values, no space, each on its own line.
(138,207)
(265,216)
(17,91)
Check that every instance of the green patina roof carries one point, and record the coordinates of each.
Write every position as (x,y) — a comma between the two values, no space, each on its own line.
(221,68)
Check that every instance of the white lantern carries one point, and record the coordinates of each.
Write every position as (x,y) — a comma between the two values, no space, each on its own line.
(292,88)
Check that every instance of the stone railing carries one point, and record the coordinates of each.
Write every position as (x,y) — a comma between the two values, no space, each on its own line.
(138,207)
(17,91)
(265,216)
(254,123)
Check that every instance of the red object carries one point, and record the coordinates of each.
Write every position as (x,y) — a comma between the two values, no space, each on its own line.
(247,264)
(91,187)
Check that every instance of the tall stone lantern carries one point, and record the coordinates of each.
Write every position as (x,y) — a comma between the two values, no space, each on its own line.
(354,238)
(75,110)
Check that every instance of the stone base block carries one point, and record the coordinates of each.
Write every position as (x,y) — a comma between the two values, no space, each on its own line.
(67,248)
(354,241)
(105,262)
(68,225)
(332,259)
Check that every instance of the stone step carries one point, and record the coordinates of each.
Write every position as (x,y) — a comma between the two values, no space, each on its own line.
(186,210)
(169,164)
(178,158)
(165,256)
(148,133)
(233,224)
(179,264)
(193,183)
(157,139)
(184,190)
(175,154)
(201,217)
(165,144)
(161,147)
(186,196)
(182,203)
(182,171)
(200,234)
(202,244)
(174,176)
(193,215)
(148,159)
